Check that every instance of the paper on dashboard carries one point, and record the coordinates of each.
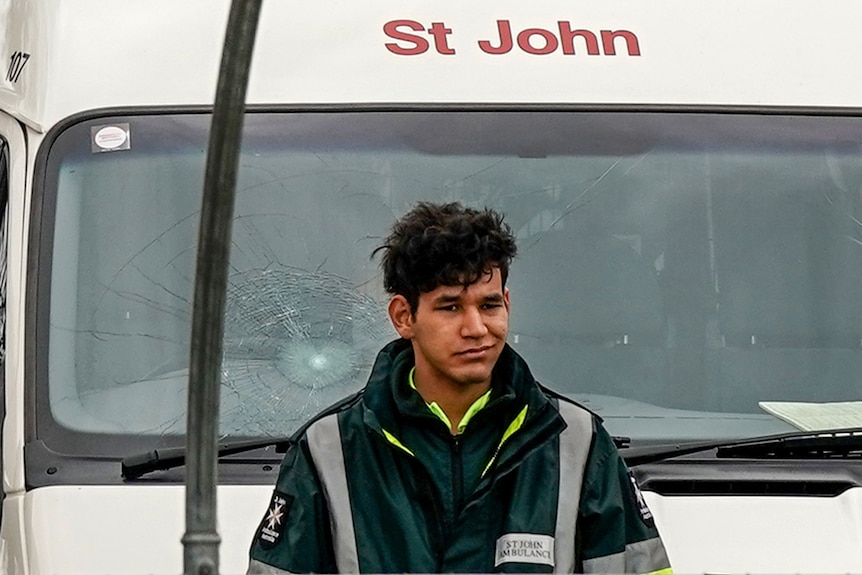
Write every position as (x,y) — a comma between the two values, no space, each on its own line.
(810,416)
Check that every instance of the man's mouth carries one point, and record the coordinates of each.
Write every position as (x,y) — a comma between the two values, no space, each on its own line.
(475,351)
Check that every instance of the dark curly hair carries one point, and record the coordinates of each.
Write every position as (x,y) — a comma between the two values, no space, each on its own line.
(444,244)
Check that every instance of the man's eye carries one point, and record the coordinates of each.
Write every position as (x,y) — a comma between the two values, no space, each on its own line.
(452,307)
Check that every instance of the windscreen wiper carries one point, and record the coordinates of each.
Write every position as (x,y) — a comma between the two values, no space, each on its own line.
(838,443)
(135,466)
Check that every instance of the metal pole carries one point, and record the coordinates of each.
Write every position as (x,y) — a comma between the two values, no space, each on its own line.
(201,540)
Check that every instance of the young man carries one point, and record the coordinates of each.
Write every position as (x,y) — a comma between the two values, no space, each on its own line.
(452,458)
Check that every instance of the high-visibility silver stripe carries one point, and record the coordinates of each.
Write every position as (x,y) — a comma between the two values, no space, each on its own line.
(642,557)
(646,556)
(324,442)
(615,563)
(256,567)
(575,443)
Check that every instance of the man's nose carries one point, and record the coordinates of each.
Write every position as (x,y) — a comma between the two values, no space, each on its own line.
(473,324)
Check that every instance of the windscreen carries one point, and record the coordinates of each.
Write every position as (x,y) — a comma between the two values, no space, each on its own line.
(675,271)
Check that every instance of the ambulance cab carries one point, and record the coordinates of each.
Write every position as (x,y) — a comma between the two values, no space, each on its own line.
(684,179)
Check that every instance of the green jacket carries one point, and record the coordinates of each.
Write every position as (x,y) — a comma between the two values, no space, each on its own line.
(377,484)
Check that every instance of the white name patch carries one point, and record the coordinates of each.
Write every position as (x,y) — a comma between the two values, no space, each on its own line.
(525,548)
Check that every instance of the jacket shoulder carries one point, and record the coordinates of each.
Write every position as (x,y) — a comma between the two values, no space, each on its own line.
(597,421)
(557,397)
(333,410)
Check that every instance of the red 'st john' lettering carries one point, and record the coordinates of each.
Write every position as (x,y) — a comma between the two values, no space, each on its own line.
(546,45)
(541,41)
(567,39)
(416,44)
(632,45)
(440,33)
(504,31)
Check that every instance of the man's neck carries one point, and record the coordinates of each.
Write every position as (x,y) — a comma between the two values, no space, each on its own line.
(454,399)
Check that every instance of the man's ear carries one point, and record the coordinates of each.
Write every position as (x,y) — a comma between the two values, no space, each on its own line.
(506,300)
(401,316)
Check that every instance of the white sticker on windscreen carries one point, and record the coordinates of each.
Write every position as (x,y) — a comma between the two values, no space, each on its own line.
(110,138)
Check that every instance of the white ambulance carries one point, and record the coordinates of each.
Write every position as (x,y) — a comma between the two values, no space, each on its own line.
(685,180)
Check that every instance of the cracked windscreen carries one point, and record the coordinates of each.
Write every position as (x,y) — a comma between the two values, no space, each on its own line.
(675,270)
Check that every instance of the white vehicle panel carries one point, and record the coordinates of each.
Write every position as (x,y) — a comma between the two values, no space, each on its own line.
(773,534)
(99,530)
(87,54)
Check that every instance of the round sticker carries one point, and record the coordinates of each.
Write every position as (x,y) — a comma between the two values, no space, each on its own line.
(110,137)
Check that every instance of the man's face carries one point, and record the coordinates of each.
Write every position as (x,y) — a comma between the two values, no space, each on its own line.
(457,333)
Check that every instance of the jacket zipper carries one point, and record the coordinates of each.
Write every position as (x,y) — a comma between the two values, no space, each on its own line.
(457,477)
(439,528)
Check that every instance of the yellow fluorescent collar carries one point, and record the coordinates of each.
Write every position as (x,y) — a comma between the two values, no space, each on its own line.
(475,408)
